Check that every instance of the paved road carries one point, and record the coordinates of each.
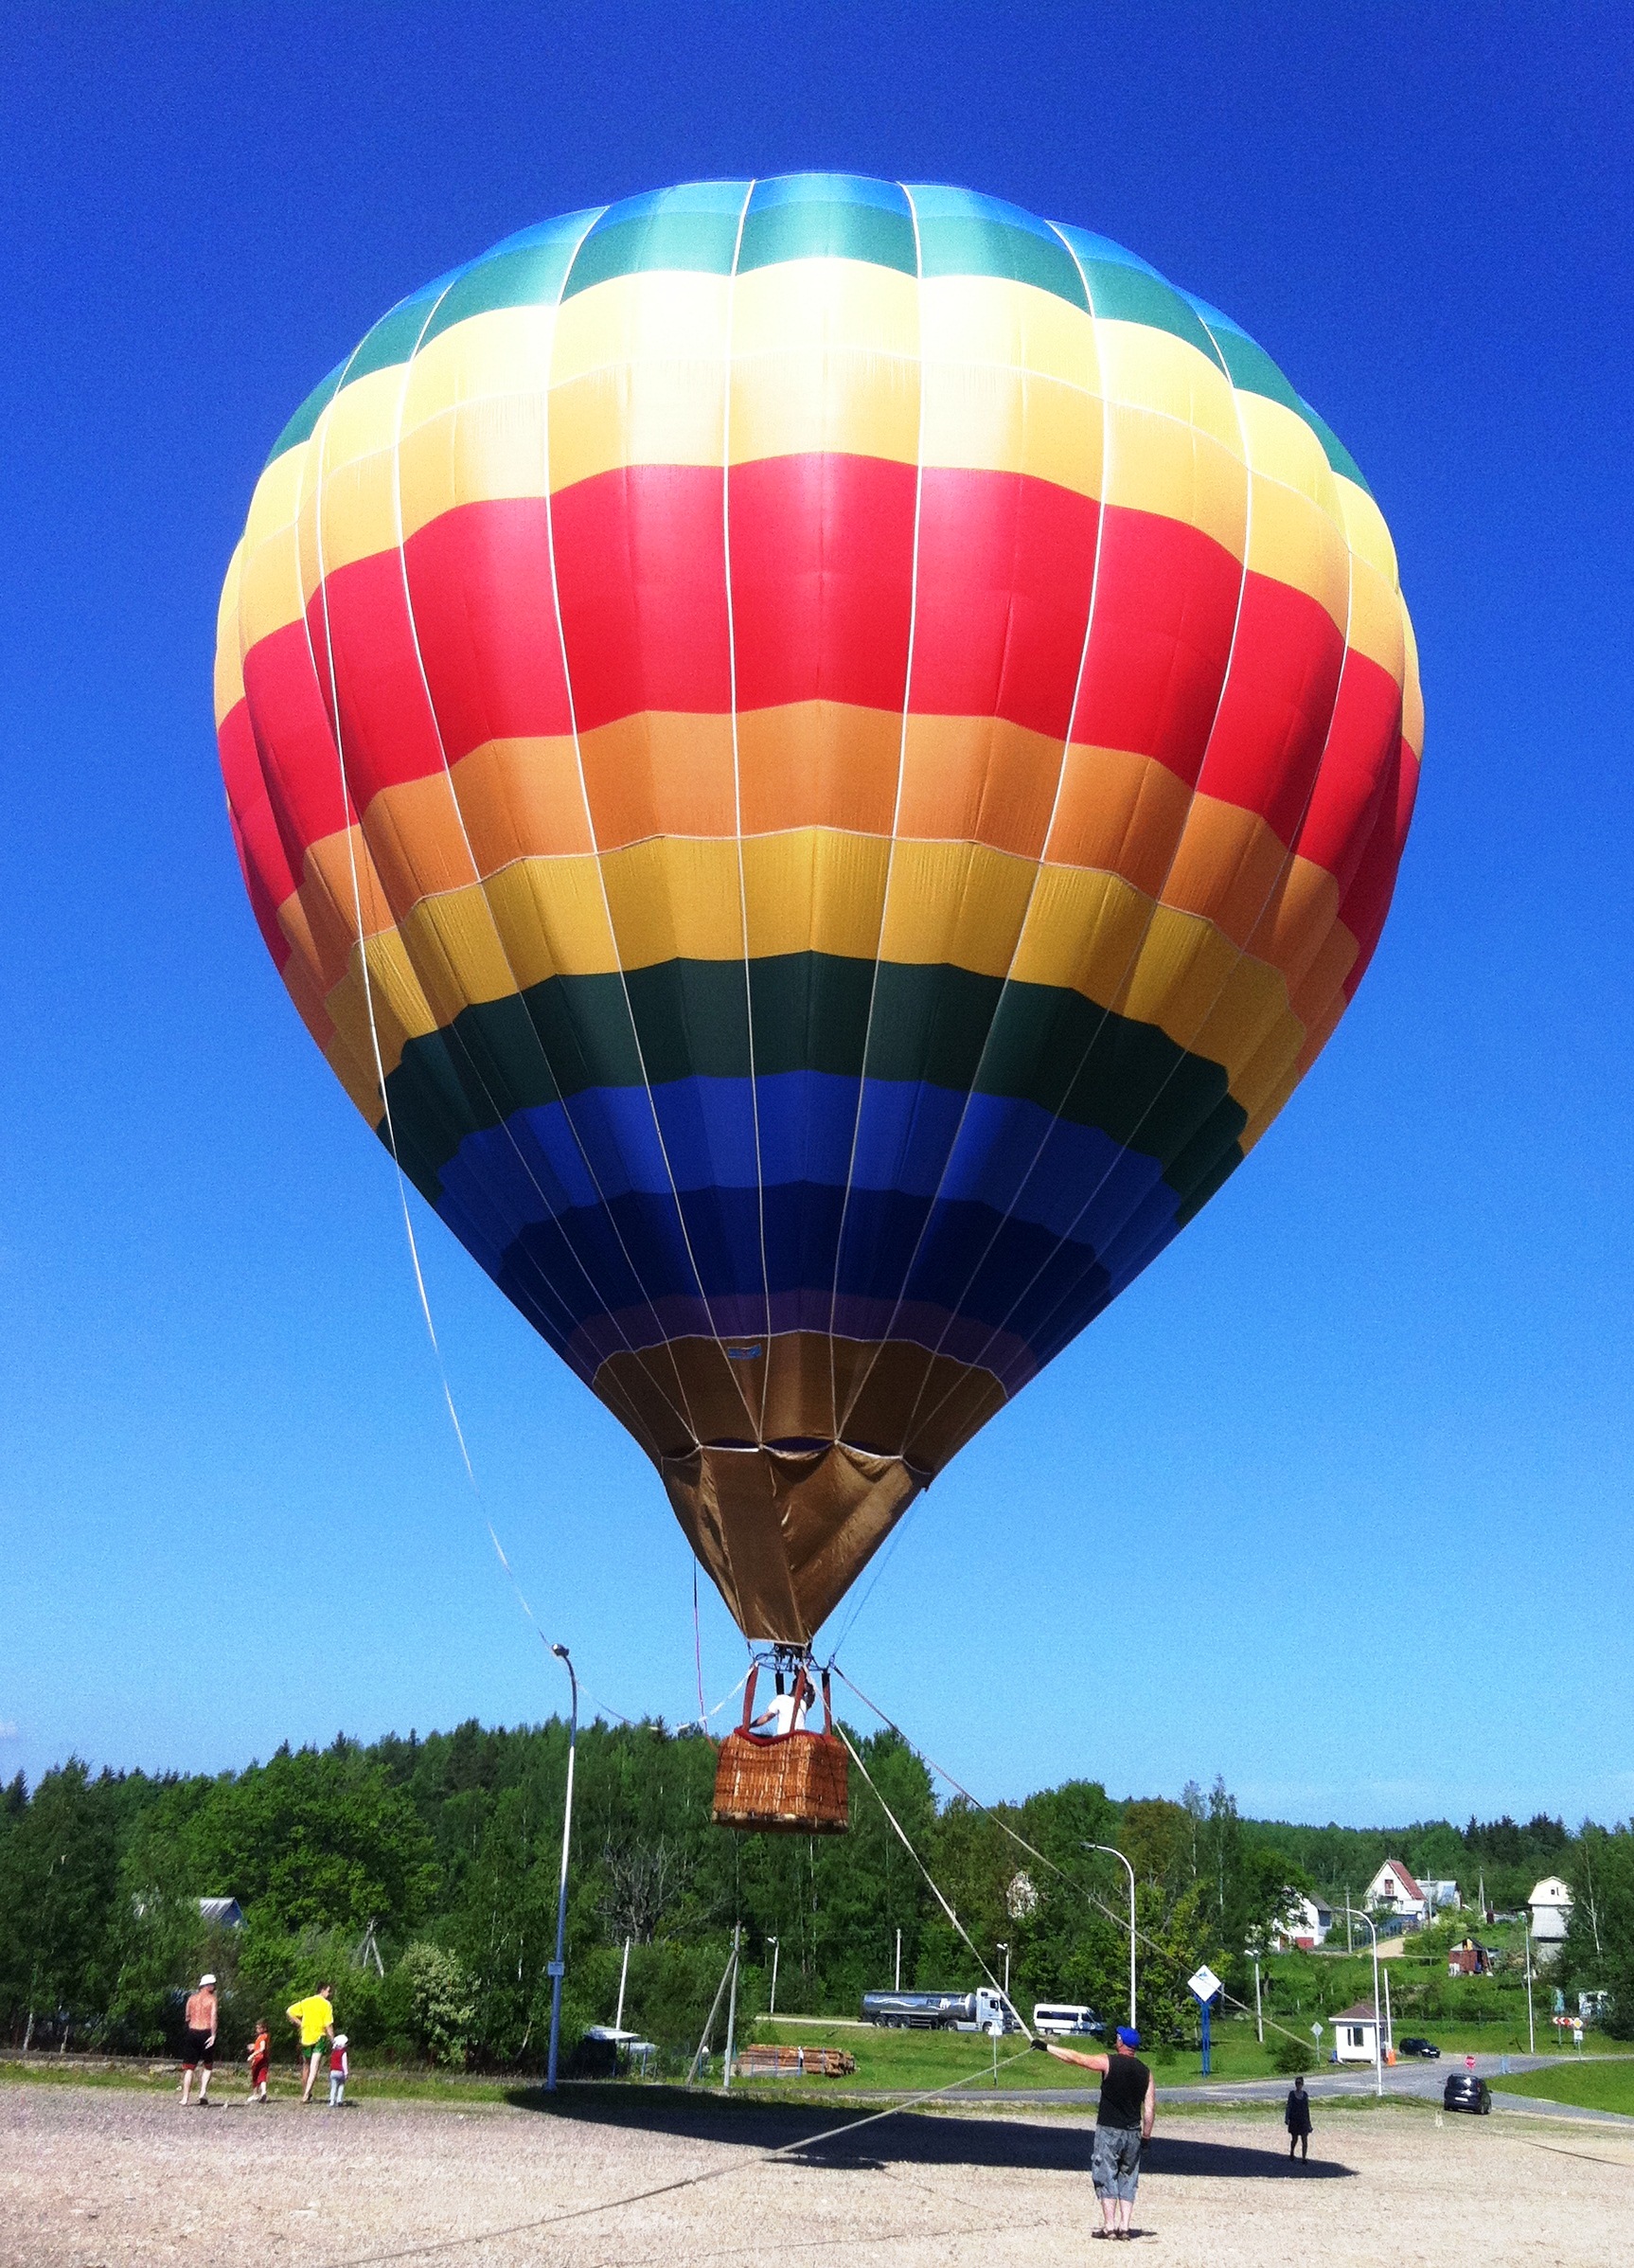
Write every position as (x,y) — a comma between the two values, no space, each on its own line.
(1423,2081)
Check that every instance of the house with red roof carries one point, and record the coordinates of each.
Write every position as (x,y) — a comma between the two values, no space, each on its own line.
(1392,1890)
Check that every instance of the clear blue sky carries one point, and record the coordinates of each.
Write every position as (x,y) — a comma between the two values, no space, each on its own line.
(1335,1500)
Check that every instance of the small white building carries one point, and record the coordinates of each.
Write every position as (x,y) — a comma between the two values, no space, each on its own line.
(1353,2034)
(1550,1909)
(1442,1897)
(1392,1890)
(1305,1925)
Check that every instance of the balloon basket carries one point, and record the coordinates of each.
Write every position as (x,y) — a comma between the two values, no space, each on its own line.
(795,1784)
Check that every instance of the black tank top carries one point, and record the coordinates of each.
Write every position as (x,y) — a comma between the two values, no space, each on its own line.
(1123,2092)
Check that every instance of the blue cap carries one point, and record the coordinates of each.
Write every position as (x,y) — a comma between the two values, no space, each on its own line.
(1128,2035)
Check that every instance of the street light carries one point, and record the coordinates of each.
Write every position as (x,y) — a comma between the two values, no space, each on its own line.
(1003,1948)
(1531,2015)
(776,1949)
(1112,1853)
(1378,2050)
(558,1967)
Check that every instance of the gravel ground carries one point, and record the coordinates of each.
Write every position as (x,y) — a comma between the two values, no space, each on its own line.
(109,2178)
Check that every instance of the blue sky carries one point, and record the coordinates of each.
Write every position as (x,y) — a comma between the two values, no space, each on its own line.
(1336,1500)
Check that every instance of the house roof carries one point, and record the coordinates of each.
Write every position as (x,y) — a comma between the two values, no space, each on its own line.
(1551,1891)
(1395,1867)
(1359,2012)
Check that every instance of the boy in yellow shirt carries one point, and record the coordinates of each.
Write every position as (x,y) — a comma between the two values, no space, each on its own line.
(315,2018)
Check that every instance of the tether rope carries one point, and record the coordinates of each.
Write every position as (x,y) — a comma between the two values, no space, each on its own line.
(1093,1897)
(688,2181)
(925,1871)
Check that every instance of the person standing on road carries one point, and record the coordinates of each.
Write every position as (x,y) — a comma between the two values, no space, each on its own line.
(1124,2122)
(258,2058)
(315,2020)
(199,2051)
(1296,2117)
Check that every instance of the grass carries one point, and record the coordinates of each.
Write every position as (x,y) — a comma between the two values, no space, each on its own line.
(1593,2086)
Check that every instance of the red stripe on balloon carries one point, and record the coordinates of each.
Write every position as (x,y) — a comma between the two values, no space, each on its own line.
(1165,603)
(485,609)
(1367,900)
(262,856)
(1355,766)
(1007,564)
(294,741)
(822,580)
(1277,706)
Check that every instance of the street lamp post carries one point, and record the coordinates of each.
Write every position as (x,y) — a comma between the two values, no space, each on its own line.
(1530,2016)
(776,1949)
(1377,2053)
(558,1967)
(1112,1853)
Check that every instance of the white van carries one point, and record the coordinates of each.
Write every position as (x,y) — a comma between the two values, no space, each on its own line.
(1064,2018)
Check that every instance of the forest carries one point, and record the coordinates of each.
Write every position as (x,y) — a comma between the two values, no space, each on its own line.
(449,1846)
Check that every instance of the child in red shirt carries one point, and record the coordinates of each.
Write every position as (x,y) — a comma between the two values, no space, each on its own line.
(259,2056)
(339,2068)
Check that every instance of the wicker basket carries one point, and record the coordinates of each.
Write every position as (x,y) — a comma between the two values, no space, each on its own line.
(796,1784)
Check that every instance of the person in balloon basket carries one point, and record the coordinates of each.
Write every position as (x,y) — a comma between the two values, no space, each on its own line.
(315,2019)
(1296,2117)
(340,2071)
(199,2050)
(1124,2121)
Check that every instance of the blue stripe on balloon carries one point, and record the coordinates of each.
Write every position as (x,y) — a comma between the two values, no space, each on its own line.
(965,1215)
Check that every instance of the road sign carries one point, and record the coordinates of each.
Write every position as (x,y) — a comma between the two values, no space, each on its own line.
(1316,2031)
(1205,1984)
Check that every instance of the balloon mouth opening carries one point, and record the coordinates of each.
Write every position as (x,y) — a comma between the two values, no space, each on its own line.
(784,1527)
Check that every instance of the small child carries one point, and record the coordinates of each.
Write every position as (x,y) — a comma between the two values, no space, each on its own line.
(338,2070)
(259,2056)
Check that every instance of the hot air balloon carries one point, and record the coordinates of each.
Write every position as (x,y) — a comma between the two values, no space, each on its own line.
(820,757)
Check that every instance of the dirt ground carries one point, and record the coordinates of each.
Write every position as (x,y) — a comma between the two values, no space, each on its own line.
(103,2178)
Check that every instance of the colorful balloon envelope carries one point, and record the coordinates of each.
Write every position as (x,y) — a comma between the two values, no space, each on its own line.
(820,757)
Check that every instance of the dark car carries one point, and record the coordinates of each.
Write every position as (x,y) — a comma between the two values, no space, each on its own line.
(1466,2092)
(1426,2048)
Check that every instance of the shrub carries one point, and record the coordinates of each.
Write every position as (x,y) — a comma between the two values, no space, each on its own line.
(1292,2054)
(441,2000)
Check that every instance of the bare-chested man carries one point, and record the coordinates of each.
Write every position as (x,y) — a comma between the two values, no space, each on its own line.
(199,2050)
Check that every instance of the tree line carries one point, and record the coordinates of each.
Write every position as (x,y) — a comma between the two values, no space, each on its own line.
(449,1847)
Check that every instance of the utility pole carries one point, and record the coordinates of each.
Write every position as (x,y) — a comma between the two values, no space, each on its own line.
(898,1984)
(1005,1951)
(623,1973)
(776,1949)
(732,2011)
(558,1967)
(1258,2015)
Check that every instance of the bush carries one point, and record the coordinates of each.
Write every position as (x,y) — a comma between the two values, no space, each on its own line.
(1292,2054)
(442,2001)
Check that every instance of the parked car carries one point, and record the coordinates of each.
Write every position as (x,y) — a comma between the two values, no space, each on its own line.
(1426,2048)
(1072,2017)
(1466,2092)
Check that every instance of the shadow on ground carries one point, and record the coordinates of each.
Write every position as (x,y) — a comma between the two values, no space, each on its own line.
(907,2138)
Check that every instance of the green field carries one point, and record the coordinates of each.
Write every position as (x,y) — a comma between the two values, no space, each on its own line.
(1595,2086)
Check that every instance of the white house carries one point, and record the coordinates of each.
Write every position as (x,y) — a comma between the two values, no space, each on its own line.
(1550,1907)
(1392,1890)
(1353,2033)
(1442,1897)
(1305,1924)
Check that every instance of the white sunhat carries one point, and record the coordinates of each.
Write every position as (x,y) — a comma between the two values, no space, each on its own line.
(340,2039)
(208,1978)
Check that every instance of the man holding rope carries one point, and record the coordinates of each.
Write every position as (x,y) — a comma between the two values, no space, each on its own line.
(1123,2126)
